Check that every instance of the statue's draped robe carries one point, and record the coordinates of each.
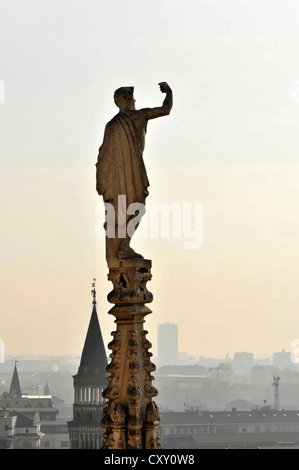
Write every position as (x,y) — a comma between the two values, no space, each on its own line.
(120,166)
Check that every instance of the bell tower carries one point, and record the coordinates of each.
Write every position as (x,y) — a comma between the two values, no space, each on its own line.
(85,431)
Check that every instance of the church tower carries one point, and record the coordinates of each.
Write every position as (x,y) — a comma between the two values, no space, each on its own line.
(85,431)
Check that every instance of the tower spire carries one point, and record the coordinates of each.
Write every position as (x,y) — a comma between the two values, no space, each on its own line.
(15,388)
(94,292)
(93,358)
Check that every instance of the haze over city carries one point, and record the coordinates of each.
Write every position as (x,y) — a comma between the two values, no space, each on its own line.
(230,144)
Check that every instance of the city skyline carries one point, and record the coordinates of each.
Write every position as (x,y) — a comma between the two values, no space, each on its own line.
(183,357)
(230,144)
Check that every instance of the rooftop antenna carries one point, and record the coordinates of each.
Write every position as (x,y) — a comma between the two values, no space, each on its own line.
(276,380)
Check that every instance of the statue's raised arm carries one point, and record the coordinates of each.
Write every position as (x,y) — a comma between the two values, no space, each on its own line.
(168,102)
(164,110)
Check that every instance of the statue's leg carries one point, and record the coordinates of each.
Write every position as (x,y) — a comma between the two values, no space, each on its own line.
(120,227)
(125,251)
(111,227)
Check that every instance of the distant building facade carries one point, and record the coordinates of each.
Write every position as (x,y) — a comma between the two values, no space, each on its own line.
(168,344)
(193,386)
(230,429)
(282,359)
(19,430)
(243,360)
(32,418)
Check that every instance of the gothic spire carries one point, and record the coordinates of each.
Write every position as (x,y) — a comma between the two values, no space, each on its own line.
(93,358)
(15,388)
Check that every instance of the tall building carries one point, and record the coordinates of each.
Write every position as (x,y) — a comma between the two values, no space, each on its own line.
(85,431)
(167,344)
(282,359)
(243,360)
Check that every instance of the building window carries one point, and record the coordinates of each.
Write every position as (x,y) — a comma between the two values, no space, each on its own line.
(47,429)
(167,430)
(244,429)
(257,429)
(64,444)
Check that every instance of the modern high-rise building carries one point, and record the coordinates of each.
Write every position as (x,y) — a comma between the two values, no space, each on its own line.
(243,360)
(85,431)
(282,359)
(167,344)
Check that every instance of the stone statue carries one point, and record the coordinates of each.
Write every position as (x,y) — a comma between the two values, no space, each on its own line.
(120,171)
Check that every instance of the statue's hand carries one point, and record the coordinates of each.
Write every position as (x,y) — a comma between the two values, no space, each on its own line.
(164,87)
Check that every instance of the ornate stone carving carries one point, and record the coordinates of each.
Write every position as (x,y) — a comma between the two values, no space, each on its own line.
(106,420)
(130,286)
(147,364)
(130,388)
(134,427)
(106,423)
(145,342)
(115,343)
(134,367)
(117,437)
(113,368)
(117,414)
(134,422)
(133,390)
(152,438)
(152,412)
(111,393)
(150,391)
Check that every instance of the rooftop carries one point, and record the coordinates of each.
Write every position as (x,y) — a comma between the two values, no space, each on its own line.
(222,417)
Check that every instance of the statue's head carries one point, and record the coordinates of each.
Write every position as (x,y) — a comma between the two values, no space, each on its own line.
(124,97)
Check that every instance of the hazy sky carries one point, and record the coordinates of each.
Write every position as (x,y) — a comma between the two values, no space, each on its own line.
(230,143)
